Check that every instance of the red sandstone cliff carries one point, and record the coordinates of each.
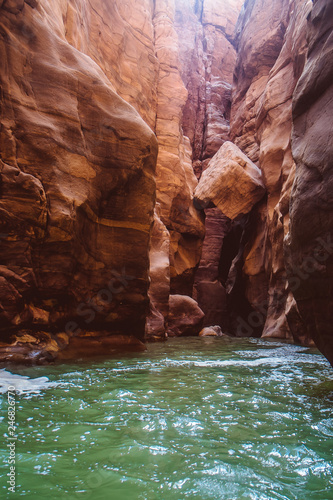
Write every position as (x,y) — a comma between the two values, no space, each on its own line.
(77,187)
(86,88)
(309,246)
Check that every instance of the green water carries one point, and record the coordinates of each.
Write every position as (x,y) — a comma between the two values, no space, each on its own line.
(192,418)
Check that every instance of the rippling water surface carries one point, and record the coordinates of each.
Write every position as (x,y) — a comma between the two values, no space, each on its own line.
(193,418)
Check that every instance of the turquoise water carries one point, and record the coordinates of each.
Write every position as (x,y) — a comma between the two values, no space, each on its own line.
(192,418)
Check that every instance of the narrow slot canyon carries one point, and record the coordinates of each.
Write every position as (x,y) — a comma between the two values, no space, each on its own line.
(166,235)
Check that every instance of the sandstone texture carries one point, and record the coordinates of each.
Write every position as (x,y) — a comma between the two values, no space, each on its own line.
(231,182)
(175,178)
(78,167)
(159,289)
(309,246)
(77,186)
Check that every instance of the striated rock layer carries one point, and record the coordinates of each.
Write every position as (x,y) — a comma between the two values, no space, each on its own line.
(77,186)
(310,243)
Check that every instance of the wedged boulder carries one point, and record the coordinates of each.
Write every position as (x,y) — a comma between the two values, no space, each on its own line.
(211,331)
(185,316)
(232,182)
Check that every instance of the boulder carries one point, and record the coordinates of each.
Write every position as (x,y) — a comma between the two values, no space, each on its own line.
(211,331)
(232,182)
(185,316)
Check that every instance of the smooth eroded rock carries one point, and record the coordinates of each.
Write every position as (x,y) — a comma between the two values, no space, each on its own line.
(77,186)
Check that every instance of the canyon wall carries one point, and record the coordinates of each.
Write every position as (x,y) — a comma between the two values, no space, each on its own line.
(205,31)
(79,177)
(77,189)
(271,44)
(309,246)
(104,234)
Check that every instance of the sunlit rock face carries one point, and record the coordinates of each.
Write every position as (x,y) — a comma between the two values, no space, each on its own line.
(309,246)
(77,183)
(271,44)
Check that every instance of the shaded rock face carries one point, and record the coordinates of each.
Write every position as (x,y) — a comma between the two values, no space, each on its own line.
(205,29)
(77,185)
(159,273)
(309,245)
(271,44)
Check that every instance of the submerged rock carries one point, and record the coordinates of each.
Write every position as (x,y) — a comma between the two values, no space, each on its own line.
(38,348)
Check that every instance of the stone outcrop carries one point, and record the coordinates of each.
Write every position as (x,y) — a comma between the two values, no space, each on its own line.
(78,166)
(309,246)
(159,273)
(231,183)
(77,186)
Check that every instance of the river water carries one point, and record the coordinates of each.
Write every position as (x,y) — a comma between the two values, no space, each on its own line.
(192,418)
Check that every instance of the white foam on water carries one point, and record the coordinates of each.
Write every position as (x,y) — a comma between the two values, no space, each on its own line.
(23,384)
